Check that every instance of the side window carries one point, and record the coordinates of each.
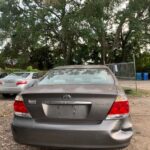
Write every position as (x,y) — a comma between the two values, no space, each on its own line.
(35,76)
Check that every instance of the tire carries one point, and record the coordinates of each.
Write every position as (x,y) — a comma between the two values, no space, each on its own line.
(5,95)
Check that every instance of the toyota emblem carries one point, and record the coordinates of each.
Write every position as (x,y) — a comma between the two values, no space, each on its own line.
(67,97)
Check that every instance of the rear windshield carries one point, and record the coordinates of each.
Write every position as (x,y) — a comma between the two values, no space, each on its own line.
(78,76)
(18,74)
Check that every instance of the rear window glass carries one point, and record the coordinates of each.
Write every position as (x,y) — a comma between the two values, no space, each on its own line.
(18,74)
(78,76)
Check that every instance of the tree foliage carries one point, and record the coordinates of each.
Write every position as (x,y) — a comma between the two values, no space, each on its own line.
(46,33)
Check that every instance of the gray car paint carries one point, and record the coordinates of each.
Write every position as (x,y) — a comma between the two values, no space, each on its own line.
(90,131)
(108,134)
(98,109)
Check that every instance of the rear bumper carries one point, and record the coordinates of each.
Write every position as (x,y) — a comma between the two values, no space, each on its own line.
(11,90)
(109,134)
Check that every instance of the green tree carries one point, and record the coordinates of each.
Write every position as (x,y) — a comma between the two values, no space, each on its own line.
(46,33)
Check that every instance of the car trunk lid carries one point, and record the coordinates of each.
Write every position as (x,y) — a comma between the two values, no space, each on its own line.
(11,82)
(70,103)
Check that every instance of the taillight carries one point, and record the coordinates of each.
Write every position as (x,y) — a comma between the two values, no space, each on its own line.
(119,109)
(19,107)
(21,82)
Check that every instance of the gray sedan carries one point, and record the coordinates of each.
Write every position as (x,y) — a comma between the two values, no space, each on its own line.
(74,107)
(17,82)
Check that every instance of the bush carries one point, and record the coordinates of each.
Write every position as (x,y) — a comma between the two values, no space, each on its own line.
(1,69)
(143,62)
(31,69)
(11,70)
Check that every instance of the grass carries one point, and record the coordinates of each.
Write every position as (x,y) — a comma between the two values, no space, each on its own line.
(138,93)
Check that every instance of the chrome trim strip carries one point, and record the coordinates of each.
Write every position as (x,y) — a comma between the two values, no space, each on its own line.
(25,115)
(113,117)
(67,103)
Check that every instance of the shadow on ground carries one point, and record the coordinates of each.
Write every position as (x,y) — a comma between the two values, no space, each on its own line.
(7,98)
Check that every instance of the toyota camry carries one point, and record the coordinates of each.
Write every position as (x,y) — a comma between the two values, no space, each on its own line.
(74,107)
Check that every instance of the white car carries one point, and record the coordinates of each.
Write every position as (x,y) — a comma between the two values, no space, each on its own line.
(16,82)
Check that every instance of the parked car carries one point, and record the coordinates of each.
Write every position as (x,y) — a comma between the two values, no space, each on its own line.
(3,74)
(17,82)
(73,107)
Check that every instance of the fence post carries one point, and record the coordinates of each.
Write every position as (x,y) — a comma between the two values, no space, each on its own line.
(135,71)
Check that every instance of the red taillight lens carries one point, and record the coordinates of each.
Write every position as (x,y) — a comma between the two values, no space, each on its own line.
(21,82)
(20,109)
(19,106)
(119,108)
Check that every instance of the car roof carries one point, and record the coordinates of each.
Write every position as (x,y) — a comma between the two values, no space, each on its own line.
(82,67)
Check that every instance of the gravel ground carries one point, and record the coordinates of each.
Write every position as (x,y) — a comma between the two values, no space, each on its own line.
(140,113)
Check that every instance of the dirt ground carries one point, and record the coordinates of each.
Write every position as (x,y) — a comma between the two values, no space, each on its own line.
(140,113)
(143,85)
